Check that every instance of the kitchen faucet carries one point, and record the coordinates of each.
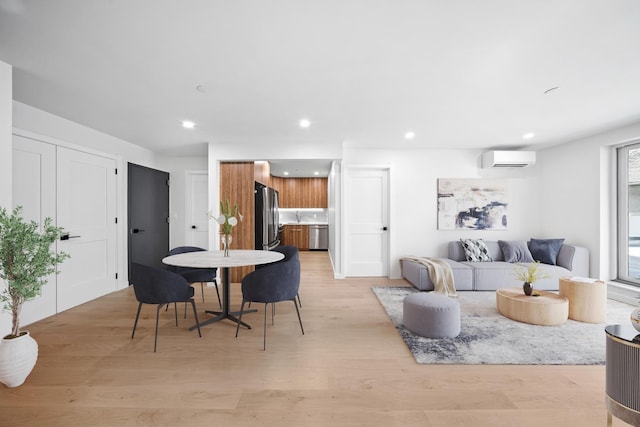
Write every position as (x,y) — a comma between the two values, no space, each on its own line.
(298,215)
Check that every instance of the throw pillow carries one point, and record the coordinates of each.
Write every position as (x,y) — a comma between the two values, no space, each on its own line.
(545,250)
(515,251)
(475,250)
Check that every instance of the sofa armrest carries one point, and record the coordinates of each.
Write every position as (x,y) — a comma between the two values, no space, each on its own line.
(418,275)
(574,259)
(456,251)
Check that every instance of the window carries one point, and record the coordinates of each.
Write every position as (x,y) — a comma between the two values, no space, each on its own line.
(629,214)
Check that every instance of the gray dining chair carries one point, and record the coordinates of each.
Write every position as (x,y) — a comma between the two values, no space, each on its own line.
(160,287)
(272,283)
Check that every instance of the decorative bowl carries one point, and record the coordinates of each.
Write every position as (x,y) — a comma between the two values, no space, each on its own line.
(635,318)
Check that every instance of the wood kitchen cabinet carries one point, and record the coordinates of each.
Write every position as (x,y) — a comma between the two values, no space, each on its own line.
(296,235)
(301,192)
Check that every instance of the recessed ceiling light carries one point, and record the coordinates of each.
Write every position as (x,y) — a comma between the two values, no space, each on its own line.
(286,173)
(409,135)
(528,135)
(304,123)
(187,124)
(316,173)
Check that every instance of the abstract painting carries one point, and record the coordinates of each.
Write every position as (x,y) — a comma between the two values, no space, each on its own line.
(472,204)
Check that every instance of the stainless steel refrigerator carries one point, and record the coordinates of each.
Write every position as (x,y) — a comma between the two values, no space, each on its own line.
(267,217)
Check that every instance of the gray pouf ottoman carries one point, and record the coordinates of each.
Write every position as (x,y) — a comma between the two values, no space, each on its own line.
(431,315)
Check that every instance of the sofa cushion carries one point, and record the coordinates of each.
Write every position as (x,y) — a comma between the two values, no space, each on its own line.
(489,276)
(456,250)
(515,251)
(545,250)
(475,250)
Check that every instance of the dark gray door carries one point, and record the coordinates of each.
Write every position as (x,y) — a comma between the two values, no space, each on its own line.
(148,214)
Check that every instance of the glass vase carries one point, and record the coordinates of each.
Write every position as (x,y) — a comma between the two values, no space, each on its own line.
(226,240)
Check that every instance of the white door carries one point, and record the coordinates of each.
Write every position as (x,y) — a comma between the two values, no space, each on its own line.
(196,209)
(367,222)
(87,211)
(34,188)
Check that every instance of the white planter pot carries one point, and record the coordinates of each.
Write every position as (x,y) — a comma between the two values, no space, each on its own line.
(17,358)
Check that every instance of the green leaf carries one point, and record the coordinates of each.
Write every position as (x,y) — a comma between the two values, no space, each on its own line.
(26,259)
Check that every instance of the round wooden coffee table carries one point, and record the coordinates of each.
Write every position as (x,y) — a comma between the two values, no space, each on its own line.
(546,309)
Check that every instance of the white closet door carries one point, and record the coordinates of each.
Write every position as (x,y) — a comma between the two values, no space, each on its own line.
(34,188)
(87,211)
(367,208)
(196,209)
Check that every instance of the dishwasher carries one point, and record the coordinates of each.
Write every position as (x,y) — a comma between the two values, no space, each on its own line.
(319,237)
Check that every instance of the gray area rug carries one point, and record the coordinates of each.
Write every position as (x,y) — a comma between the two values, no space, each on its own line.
(489,338)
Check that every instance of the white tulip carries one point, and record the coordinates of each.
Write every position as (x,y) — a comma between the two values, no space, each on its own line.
(233,221)
(220,219)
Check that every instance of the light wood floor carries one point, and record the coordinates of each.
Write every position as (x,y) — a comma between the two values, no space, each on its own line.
(350,368)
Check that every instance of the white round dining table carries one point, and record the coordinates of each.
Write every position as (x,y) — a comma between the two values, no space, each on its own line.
(216,259)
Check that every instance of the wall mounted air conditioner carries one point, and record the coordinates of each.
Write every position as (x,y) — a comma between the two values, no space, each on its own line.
(508,159)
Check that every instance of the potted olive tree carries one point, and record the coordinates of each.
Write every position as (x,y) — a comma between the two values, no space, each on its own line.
(26,259)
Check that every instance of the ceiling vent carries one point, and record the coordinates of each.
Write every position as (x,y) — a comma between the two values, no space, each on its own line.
(508,159)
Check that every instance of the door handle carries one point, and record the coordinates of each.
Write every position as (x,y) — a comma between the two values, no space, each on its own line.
(193,227)
(384,229)
(67,237)
(137,230)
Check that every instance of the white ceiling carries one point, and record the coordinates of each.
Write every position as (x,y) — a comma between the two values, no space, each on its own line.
(460,73)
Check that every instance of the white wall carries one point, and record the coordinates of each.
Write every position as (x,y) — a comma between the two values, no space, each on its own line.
(335,228)
(578,195)
(44,123)
(5,162)
(413,188)
(5,133)
(178,168)
(566,194)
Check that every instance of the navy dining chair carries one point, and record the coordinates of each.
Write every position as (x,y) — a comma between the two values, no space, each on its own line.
(160,287)
(272,283)
(195,275)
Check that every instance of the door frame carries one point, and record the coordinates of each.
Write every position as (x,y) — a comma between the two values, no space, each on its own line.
(347,169)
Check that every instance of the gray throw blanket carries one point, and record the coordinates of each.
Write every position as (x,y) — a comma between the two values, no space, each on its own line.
(440,274)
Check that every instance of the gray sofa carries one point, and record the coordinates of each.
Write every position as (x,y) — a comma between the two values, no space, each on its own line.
(488,276)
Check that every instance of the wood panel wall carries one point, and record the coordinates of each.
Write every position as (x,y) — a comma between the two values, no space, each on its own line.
(237,185)
(262,173)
